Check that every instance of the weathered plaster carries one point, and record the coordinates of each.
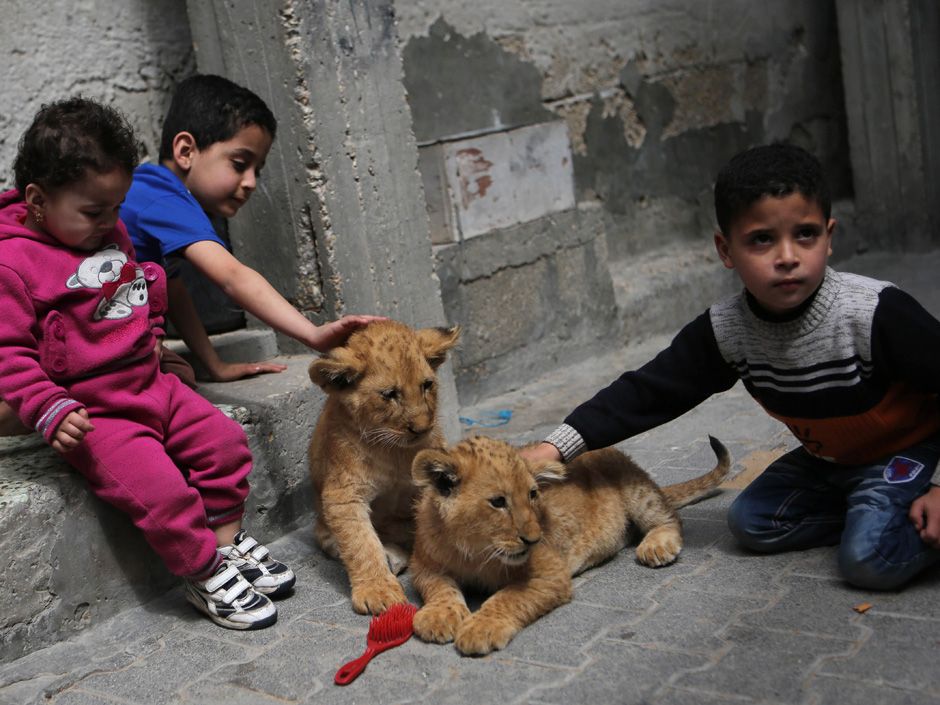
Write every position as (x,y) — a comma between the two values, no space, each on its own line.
(459,84)
(656,95)
(127,53)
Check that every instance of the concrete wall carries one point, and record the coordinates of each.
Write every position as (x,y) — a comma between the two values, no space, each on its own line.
(656,94)
(129,53)
(891,57)
(656,97)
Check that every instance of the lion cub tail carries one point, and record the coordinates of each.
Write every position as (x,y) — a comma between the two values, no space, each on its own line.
(690,491)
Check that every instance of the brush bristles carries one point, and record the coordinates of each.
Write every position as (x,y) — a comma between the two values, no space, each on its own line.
(392,624)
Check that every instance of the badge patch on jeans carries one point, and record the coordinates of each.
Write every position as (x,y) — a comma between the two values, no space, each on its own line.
(901,469)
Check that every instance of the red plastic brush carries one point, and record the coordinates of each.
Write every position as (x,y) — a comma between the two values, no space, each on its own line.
(391,628)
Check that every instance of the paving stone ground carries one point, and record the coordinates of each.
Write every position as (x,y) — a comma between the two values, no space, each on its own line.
(720,626)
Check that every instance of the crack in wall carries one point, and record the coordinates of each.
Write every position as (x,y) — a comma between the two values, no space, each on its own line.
(323,247)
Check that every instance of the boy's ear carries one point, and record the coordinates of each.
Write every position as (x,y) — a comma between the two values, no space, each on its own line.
(721,244)
(435,342)
(340,369)
(830,229)
(435,468)
(184,147)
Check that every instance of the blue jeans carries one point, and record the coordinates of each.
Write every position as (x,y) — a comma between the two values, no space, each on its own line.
(802,502)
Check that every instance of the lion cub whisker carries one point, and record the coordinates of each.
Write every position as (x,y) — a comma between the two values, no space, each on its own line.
(382,437)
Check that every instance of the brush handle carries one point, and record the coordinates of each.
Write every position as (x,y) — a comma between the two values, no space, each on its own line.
(348,673)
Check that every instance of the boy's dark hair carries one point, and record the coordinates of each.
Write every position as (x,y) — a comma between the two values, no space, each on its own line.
(70,136)
(771,170)
(212,109)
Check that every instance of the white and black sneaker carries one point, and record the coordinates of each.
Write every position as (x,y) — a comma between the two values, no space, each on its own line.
(230,601)
(266,575)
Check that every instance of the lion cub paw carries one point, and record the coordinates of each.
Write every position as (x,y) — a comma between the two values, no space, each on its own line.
(439,623)
(659,548)
(377,596)
(480,634)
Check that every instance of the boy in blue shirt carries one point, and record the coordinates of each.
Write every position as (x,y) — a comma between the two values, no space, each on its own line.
(848,363)
(215,140)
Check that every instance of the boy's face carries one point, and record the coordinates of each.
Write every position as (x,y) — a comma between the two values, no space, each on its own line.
(222,176)
(780,248)
(80,214)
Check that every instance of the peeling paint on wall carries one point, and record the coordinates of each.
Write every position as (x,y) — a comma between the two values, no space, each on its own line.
(656,97)
(459,85)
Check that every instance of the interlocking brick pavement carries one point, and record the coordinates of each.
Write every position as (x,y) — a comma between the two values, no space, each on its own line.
(720,626)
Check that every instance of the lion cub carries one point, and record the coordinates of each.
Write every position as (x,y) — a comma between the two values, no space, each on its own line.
(380,411)
(487,518)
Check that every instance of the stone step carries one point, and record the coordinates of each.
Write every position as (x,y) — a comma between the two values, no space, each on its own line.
(659,292)
(72,561)
(243,345)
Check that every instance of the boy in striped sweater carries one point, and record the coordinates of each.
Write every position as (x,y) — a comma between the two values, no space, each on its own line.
(848,363)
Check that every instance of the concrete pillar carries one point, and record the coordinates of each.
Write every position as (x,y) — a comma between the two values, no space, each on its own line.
(890,64)
(339,223)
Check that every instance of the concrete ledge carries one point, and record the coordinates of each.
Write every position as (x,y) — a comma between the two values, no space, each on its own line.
(243,345)
(283,409)
(538,296)
(661,291)
(72,561)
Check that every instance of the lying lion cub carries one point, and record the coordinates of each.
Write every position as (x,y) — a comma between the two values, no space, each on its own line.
(380,411)
(489,519)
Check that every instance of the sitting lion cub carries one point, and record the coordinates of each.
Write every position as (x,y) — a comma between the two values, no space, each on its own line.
(380,411)
(487,518)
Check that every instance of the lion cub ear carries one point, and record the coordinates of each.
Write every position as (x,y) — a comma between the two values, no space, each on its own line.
(435,342)
(547,471)
(337,370)
(435,468)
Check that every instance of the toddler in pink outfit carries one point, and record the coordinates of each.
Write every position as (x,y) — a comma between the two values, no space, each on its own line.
(79,362)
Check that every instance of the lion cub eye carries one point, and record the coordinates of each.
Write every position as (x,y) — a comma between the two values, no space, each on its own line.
(533,493)
(389,394)
(498,502)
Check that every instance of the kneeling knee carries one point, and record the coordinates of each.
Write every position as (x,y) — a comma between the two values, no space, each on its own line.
(869,571)
(742,527)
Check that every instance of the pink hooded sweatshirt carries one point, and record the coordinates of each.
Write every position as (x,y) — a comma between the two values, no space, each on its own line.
(69,314)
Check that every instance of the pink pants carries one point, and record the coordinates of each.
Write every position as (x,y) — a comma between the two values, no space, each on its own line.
(166,457)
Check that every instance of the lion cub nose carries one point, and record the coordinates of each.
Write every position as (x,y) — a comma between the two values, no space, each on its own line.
(530,542)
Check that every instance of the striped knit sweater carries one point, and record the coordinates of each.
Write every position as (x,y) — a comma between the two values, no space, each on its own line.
(854,374)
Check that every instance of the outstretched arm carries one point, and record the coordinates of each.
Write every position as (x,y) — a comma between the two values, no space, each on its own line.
(253,293)
(183,313)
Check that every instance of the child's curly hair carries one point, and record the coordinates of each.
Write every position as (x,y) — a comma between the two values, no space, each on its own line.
(776,170)
(68,137)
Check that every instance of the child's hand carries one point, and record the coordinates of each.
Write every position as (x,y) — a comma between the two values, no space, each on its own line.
(71,431)
(542,451)
(329,335)
(925,515)
(230,371)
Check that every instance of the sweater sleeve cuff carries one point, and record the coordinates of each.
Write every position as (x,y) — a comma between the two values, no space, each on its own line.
(49,422)
(568,442)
